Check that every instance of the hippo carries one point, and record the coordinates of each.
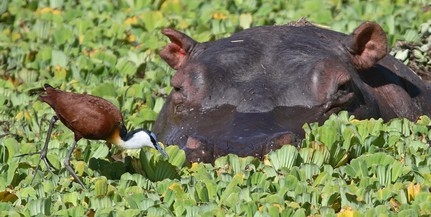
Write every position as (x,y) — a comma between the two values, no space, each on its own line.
(252,92)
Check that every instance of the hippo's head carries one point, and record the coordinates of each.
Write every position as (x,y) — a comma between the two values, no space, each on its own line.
(252,92)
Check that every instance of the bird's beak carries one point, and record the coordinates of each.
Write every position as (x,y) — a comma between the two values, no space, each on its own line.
(161,150)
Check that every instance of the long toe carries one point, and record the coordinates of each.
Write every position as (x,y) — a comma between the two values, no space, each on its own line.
(49,164)
(70,169)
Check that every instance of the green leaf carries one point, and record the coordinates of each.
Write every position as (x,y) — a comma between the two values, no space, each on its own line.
(11,172)
(100,203)
(230,194)
(107,58)
(101,187)
(40,207)
(322,179)
(104,90)
(62,35)
(171,6)
(397,170)
(80,167)
(42,29)
(3,6)
(135,90)
(379,159)
(182,200)
(310,170)
(245,20)
(152,19)
(408,212)
(101,152)
(383,194)
(125,67)
(148,114)
(177,156)
(12,150)
(71,198)
(357,168)
(411,35)
(284,157)
(384,174)
(155,168)
(158,105)
(202,192)
(59,58)
(231,200)
(146,165)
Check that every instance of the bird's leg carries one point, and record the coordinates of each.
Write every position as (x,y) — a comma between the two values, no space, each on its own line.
(44,150)
(69,168)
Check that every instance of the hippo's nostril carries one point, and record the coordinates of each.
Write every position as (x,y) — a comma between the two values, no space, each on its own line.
(178,89)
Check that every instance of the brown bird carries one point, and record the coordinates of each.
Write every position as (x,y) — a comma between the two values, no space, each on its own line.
(92,118)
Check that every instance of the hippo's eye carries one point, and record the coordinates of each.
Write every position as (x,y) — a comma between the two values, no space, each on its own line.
(345,87)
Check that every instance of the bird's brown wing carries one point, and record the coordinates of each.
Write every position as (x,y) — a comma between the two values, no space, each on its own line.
(88,116)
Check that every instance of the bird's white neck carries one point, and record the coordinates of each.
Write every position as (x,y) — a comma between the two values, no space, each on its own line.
(136,141)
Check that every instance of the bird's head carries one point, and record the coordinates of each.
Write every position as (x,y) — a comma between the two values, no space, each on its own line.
(139,138)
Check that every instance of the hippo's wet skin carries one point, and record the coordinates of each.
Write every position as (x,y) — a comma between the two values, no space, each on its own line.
(252,92)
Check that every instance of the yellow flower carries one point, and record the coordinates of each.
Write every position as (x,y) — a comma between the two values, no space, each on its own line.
(56,12)
(43,10)
(131,38)
(90,52)
(48,10)
(219,16)
(131,20)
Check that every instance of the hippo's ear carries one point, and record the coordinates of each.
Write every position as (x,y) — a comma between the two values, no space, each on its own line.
(175,52)
(367,44)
